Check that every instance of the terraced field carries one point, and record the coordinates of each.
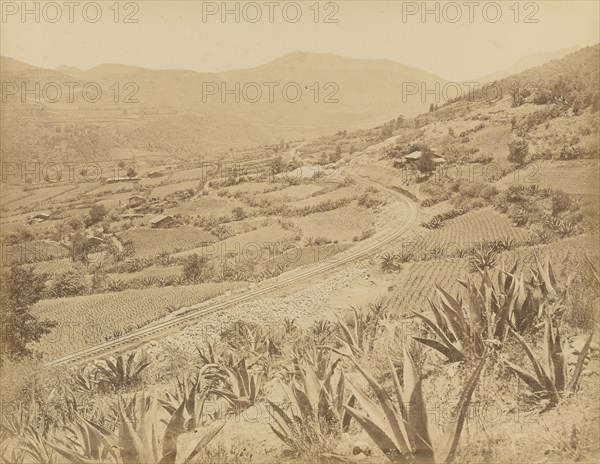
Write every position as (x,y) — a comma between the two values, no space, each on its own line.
(250,187)
(115,200)
(16,197)
(417,280)
(341,224)
(473,227)
(150,242)
(245,244)
(57,266)
(336,194)
(148,272)
(87,320)
(205,206)
(167,189)
(294,192)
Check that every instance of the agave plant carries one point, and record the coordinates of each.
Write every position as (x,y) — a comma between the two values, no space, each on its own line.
(550,379)
(188,390)
(86,380)
(122,373)
(390,263)
(505,244)
(242,387)
(248,338)
(400,427)
(210,353)
(361,336)
(313,416)
(462,330)
(483,257)
(545,235)
(322,331)
(592,275)
(136,440)
(22,437)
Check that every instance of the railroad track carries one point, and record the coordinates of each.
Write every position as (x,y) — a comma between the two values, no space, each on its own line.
(193,315)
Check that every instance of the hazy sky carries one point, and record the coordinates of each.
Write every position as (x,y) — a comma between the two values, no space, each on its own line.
(173,34)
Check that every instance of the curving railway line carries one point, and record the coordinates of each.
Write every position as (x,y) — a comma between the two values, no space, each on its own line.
(193,315)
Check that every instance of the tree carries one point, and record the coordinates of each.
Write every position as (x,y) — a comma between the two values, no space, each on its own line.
(97,214)
(387,130)
(277,165)
(80,248)
(194,268)
(70,283)
(518,149)
(425,163)
(399,121)
(21,288)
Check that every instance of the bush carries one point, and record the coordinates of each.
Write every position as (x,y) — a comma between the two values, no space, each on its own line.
(518,150)
(560,202)
(97,214)
(195,268)
(70,283)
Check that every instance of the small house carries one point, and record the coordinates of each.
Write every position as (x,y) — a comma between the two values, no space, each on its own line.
(413,157)
(40,217)
(162,221)
(136,200)
(155,174)
(112,180)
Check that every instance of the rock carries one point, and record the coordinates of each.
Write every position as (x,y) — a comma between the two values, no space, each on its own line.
(594,347)
(361,447)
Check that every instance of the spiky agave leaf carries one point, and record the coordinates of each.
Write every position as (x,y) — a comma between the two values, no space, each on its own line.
(403,435)
(542,375)
(573,383)
(444,345)
(447,449)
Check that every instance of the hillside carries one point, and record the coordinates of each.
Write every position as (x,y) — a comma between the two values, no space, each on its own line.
(527,62)
(335,93)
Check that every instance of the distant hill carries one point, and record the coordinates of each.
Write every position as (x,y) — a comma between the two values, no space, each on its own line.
(167,110)
(337,93)
(527,62)
(572,80)
(334,93)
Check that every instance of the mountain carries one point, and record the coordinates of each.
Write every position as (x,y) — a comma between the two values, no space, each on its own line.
(323,93)
(336,92)
(528,61)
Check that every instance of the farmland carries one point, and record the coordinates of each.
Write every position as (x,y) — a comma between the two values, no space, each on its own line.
(202,297)
(343,224)
(150,242)
(474,227)
(87,320)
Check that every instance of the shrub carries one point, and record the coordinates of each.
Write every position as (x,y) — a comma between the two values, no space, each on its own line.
(70,283)
(195,268)
(96,214)
(518,149)
(560,202)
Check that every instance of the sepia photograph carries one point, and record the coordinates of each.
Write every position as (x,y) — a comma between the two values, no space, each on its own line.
(299,232)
